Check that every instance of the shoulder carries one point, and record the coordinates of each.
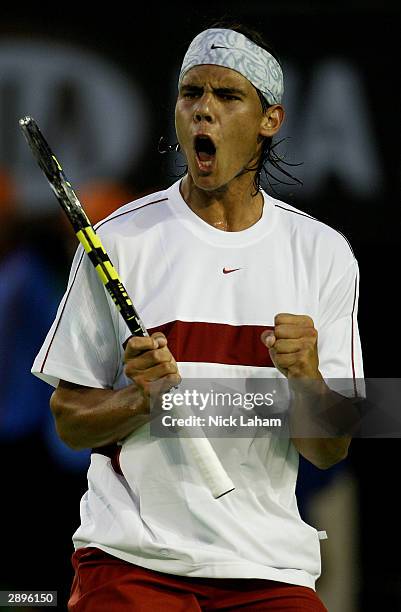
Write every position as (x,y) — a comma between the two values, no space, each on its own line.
(320,236)
(145,209)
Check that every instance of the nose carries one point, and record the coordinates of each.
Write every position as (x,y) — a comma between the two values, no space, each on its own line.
(203,110)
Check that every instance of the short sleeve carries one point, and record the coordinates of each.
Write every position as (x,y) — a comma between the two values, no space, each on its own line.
(339,346)
(82,344)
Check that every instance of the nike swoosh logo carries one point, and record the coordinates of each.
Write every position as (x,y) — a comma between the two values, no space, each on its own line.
(226,271)
(217,47)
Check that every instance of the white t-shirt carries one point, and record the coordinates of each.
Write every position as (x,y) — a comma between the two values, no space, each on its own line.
(212,293)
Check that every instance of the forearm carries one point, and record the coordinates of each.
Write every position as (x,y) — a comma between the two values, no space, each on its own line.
(87,418)
(321,422)
(323,452)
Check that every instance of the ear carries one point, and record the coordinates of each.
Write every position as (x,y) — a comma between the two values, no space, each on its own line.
(272,120)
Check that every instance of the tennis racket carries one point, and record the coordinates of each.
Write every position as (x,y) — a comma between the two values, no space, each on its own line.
(204,455)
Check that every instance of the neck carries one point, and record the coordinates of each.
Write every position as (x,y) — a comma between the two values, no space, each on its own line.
(231,208)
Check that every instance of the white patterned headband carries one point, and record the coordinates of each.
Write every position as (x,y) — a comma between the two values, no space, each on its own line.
(233,50)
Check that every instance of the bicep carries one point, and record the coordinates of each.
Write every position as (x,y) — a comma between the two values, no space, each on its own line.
(70,398)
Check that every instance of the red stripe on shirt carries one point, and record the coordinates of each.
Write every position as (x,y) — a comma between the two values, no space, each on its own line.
(216,343)
(208,343)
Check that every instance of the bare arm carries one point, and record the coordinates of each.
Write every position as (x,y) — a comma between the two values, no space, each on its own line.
(293,349)
(86,417)
(316,409)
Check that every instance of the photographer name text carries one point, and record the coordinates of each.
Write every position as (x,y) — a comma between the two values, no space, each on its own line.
(219,421)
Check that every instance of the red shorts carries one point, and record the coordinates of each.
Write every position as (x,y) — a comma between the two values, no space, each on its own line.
(103,583)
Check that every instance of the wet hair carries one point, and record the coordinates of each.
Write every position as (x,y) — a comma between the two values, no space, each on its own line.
(269,158)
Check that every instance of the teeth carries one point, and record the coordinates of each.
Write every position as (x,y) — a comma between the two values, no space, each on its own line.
(207,164)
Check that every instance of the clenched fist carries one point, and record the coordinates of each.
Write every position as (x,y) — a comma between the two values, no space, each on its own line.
(293,346)
(148,361)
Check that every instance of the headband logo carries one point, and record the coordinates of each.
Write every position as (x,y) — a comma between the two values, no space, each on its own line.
(237,52)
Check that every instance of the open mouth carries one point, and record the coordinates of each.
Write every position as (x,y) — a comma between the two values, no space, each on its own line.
(205,151)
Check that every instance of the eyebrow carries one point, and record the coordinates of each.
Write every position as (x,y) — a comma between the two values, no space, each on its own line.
(218,90)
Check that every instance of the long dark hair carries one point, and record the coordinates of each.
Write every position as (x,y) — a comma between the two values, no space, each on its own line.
(269,158)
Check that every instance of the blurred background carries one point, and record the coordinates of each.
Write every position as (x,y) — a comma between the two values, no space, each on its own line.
(101,85)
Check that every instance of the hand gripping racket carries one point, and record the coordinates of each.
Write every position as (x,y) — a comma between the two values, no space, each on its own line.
(209,465)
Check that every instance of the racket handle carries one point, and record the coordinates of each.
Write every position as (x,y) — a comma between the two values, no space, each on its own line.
(204,455)
(210,467)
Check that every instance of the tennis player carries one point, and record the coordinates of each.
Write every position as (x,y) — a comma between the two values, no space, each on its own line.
(230,282)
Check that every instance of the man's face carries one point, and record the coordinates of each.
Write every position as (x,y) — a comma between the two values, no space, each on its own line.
(218,120)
